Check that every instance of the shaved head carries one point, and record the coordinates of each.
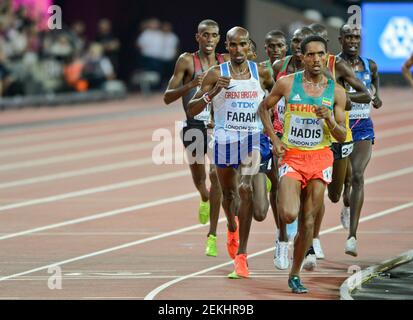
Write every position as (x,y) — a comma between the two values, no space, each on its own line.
(319,30)
(207,23)
(237,32)
(303,32)
(346,28)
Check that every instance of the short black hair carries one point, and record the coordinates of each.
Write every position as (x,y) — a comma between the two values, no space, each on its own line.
(318,28)
(305,31)
(208,23)
(309,39)
(253,46)
(275,33)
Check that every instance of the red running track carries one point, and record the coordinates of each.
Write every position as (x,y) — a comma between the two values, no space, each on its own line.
(88,197)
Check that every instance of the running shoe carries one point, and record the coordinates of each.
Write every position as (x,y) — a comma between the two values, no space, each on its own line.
(233,241)
(241,267)
(317,249)
(269,184)
(294,283)
(211,246)
(345,217)
(310,260)
(203,212)
(351,247)
(281,261)
(292,230)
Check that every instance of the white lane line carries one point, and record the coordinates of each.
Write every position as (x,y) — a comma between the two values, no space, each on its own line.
(81,142)
(101,215)
(274,275)
(183,230)
(77,173)
(77,156)
(112,249)
(400,116)
(156,291)
(376,154)
(75,132)
(128,164)
(389,133)
(392,150)
(84,192)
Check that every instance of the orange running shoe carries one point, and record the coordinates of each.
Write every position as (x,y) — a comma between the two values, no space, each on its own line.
(241,267)
(233,241)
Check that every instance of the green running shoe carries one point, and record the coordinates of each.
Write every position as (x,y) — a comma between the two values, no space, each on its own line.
(269,184)
(233,275)
(203,212)
(295,284)
(211,246)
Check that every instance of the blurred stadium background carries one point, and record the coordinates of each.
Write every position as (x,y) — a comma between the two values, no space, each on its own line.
(101,52)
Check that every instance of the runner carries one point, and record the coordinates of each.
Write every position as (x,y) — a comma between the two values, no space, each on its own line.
(275,48)
(339,70)
(360,123)
(406,70)
(236,88)
(189,71)
(283,67)
(314,111)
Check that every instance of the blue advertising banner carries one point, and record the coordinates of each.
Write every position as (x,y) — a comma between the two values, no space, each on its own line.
(387,34)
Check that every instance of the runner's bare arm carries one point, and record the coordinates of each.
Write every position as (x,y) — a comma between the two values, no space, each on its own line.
(336,124)
(406,70)
(377,103)
(267,83)
(278,91)
(362,94)
(276,67)
(176,89)
(267,80)
(212,84)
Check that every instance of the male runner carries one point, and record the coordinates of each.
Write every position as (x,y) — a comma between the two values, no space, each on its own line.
(342,73)
(406,70)
(314,112)
(360,123)
(287,65)
(189,71)
(275,48)
(236,88)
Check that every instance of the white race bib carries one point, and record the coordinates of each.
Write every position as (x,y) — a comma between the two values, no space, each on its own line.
(242,116)
(360,111)
(281,110)
(346,150)
(328,174)
(205,115)
(305,132)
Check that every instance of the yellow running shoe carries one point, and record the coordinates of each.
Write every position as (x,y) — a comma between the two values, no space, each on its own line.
(203,212)
(211,246)
(269,184)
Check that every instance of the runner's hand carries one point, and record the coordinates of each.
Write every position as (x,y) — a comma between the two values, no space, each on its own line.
(211,125)
(323,112)
(279,149)
(197,80)
(377,103)
(223,82)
